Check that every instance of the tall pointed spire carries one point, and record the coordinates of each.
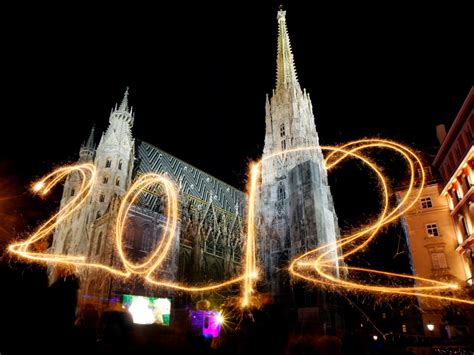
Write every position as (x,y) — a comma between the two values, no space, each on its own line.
(90,140)
(286,72)
(124,104)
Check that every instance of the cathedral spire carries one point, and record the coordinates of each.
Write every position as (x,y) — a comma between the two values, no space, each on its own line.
(286,72)
(86,153)
(124,104)
(90,140)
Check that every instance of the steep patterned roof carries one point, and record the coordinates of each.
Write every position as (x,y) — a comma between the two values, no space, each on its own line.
(192,181)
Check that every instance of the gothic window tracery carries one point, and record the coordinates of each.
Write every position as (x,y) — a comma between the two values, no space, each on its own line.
(281,192)
(282,130)
(108,163)
(105,180)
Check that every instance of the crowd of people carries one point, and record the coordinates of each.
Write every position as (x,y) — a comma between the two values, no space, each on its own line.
(39,317)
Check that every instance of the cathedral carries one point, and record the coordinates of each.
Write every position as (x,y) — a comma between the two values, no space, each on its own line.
(295,211)
(295,208)
(209,238)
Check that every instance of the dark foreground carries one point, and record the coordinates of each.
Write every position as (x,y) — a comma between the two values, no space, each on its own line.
(37,318)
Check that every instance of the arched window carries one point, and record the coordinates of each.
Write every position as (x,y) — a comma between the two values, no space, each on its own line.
(101,198)
(117,181)
(120,165)
(281,192)
(99,244)
(73,192)
(108,163)
(105,180)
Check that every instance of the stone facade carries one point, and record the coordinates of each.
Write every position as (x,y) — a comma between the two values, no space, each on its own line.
(295,206)
(209,237)
(431,240)
(455,163)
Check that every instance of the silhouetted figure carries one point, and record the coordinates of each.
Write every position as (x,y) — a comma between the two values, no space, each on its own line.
(62,309)
(115,332)
(86,328)
(330,343)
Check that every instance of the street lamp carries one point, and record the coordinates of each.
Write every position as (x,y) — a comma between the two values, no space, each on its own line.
(430,326)
(375,337)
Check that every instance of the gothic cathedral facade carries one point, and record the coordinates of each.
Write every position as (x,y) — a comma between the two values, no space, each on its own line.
(210,233)
(296,210)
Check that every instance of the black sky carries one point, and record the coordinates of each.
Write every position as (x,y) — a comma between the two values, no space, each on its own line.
(198,75)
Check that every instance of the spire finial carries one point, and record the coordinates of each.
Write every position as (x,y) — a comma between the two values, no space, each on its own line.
(90,140)
(286,72)
(124,104)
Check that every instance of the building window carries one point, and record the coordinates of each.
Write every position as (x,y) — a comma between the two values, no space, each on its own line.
(117,181)
(105,180)
(98,214)
(467,181)
(120,165)
(282,130)
(462,221)
(432,230)
(281,192)
(99,243)
(426,202)
(404,328)
(439,261)
(73,192)
(108,163)
(283,144)
(456,195)
(101,198)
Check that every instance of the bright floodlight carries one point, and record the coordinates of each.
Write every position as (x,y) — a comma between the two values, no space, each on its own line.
(220,318)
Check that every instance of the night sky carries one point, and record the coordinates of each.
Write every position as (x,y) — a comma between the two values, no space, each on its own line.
(198,75)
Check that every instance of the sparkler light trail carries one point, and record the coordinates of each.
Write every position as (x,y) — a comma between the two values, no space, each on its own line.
(319,266)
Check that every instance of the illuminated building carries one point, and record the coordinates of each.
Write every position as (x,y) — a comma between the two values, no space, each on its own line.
(210,230)
(439,227)
(432,244)
(295,207)
(455,162)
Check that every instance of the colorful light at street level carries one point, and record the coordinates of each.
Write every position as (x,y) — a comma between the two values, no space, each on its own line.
(320,266)
(220,318)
